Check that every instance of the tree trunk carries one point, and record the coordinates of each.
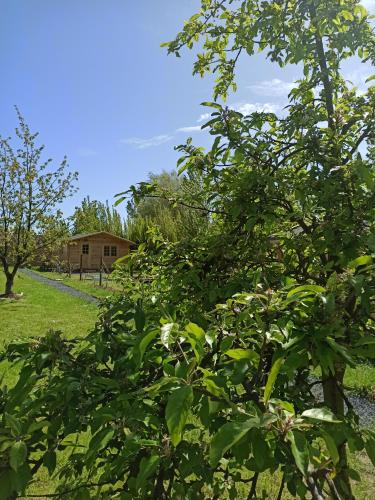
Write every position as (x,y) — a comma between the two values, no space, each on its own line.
(334,400)
(9,284)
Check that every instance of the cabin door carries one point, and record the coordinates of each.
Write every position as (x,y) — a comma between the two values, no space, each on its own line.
(85,255)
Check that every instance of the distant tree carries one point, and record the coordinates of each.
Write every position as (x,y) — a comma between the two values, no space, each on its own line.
(95,215)
(30,191)
(167,207)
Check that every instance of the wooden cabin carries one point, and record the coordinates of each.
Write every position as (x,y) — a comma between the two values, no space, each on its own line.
(92,250)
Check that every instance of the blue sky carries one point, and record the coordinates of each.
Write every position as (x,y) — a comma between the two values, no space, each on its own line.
(90,76)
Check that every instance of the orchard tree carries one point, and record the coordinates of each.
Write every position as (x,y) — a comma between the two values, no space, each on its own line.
(305,180)
(30,191)
(198,381)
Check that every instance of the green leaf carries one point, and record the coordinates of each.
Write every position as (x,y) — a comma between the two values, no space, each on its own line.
(365,174)
(166,334)
(331,447)
(5,444)
(370,78)
(17,455)
(49,460)
(13,423)
(196,338)
(364,260)
(370,449)
(260,448)
(371,241)
(35,426)
(99,441)
(322,414)
(140,348)
(367,340)
(25,382)
(211,105)
(140,319)
(299,449)
(210,338)
(147,467)
(162,385)
(119,200)
(348,16)
(360,10)
(285,405)
(341,350)
(306,289)
(353,474)
(227,436)
(367,351)
(178,406)
(196,331)
(325,358)
(214,389)
(242,354)
(272,378)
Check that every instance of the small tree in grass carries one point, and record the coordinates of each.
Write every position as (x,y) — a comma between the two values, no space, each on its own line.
(29,193)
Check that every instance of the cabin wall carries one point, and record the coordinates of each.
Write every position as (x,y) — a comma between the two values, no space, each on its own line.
(72,252)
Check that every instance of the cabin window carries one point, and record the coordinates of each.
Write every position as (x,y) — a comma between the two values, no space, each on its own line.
(113,251)
(106,251)
(85,248)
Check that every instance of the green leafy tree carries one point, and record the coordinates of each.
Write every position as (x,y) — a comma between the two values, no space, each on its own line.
(30,191)
(94,215)
(169,205)
(198,381)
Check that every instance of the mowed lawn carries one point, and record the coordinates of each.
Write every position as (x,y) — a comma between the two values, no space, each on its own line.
(42,308)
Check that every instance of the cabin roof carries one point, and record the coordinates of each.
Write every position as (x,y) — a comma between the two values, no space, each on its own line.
(88,235)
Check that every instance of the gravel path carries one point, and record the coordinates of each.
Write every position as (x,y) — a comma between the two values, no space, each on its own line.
(60,286)
(364,407)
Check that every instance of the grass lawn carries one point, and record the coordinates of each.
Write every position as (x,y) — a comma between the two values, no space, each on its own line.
(43,308)
(361,379)
(89,286)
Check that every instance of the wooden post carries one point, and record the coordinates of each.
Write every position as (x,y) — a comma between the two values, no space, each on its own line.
(80,269)
(69,263)
(101,272)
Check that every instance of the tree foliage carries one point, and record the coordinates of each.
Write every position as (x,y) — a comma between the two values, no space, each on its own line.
(93,215)
(199,379)
(166,204)
(30,191)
